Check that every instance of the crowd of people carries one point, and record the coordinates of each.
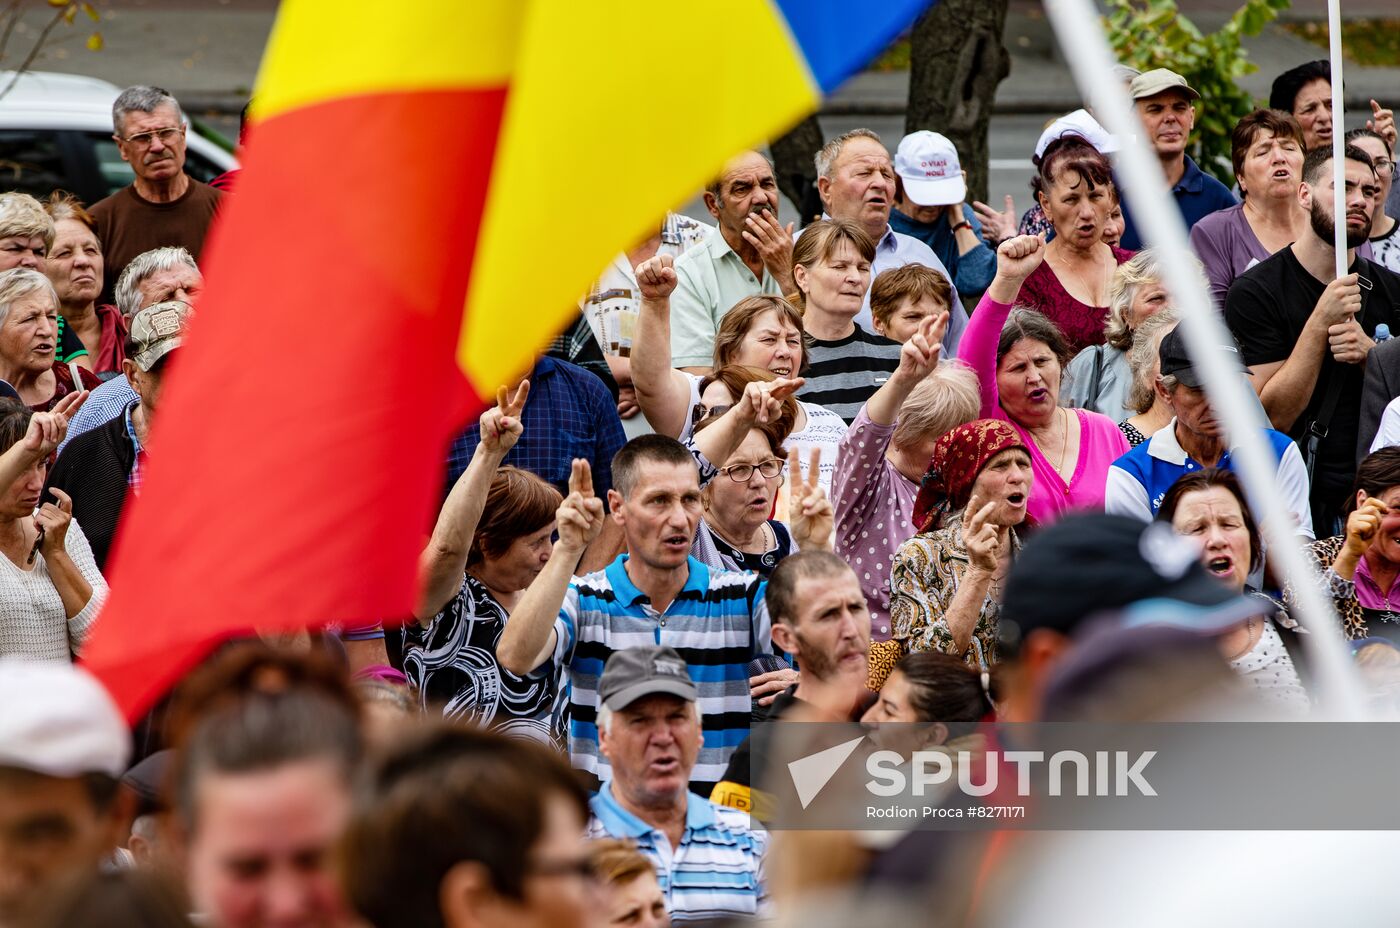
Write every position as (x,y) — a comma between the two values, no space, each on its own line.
(913,460)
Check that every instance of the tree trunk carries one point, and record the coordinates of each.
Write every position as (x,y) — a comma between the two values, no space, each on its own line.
(956,62)
(795,170)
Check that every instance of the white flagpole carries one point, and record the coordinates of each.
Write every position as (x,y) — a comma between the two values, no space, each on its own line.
(1339,131)
(1077,28)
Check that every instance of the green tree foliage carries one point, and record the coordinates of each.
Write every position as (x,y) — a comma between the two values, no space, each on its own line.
(1147,34)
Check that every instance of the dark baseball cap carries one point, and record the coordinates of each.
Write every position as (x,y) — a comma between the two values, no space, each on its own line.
(1085,565)
(1177,362)
(645,671)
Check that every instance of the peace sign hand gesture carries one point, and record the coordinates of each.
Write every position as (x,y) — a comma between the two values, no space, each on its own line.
(581,514)
(982,539)
(920,354)
(809,510)
(500,425)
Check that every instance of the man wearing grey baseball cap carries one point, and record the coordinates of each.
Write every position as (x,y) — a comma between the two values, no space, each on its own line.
(63,746)
(708,859)
(98,466)
(1166,105)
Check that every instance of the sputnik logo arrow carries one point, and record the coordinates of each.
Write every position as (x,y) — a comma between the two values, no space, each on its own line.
(811,773)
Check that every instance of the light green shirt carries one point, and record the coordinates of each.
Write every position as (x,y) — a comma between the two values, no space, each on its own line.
(711,278)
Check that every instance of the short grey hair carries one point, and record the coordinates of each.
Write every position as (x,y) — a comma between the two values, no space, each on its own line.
(1142,268)
(1146,344)
(20,282)
(944,400)
(22,216)
(142,99)
(826,158)
(128,289)
(604,719)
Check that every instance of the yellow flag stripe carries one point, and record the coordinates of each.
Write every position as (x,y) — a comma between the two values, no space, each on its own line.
(617,111)
(321,50)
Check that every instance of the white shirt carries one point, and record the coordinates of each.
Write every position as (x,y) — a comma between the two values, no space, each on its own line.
(1388,433)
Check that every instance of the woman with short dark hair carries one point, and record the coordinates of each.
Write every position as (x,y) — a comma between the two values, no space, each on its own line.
(492,538)
(1360,566)
(1075,188)
(1266,151)
(50,587)
(1210,506)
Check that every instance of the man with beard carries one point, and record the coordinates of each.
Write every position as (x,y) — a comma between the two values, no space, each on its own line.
(819,617)
(163,205)
(751,255)
(1305,335)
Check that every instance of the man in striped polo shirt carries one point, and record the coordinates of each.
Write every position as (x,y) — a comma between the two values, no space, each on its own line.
(656,594)
(708,858)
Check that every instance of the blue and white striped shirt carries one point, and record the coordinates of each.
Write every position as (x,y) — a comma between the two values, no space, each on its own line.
(717,623)
(102,406)
(715,872)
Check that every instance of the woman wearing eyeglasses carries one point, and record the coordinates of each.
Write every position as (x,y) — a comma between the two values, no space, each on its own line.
(1384,242)
(736,531)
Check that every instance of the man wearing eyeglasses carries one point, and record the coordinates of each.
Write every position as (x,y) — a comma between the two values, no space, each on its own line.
(163,205)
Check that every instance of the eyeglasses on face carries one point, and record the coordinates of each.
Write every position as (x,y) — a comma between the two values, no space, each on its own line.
(743,473)
(167,136)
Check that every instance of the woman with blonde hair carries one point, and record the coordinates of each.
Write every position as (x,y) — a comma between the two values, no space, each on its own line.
(831,270)
(75,268)
(1100,378)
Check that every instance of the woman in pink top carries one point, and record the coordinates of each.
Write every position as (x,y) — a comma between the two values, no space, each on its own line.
(1075,188)
(1019,357)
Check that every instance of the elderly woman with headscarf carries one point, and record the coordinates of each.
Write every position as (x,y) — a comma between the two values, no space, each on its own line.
(946,581)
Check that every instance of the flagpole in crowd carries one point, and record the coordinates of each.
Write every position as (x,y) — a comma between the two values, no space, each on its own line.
(1081,38)
(1339,131)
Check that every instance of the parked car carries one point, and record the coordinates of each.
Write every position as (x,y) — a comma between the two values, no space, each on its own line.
(56,132)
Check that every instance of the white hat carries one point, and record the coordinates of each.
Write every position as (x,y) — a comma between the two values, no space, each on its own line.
(928,164)
(1078,123)
(58,720)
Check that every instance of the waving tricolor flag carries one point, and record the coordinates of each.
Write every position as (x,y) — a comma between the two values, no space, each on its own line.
(429,186)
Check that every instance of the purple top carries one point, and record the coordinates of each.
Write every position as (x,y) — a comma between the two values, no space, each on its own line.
(1228,247)
(1081,323)
(874,513)
(1100,441)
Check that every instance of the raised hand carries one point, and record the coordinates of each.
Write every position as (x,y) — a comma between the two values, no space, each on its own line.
(921,352)
(809,510)
(1382,122)
(1019,256)
(581,514)
(997,227)
(501,427)
(762,401)
(772,241)
(53,520)
(981,538)
(1363,525)
(656,277)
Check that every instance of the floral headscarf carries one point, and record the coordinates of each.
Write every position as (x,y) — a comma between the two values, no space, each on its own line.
(958,457)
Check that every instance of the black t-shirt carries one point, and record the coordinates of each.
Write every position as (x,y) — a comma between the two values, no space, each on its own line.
(1267,307)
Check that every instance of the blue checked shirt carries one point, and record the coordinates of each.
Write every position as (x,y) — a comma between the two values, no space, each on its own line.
(715,873)
(569,414)
(102,405)
(136,478)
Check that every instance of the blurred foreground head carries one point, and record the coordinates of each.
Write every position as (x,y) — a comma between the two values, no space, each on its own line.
(269,745)
(1115,570)
(63,744)
(461,827)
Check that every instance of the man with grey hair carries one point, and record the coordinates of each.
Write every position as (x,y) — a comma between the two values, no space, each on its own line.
(163,205)
(751,255)
(856,181)
(101,465)
(708,858)
(156,276)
